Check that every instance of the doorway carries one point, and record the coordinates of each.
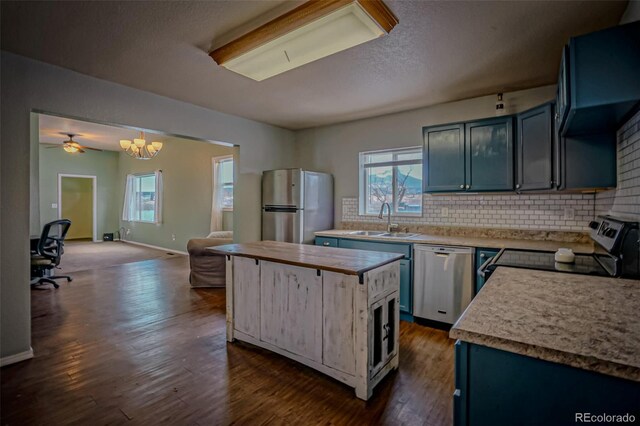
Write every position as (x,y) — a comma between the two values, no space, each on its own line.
(77,201)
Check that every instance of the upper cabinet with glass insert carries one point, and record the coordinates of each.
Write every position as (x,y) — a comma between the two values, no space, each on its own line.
(394,177)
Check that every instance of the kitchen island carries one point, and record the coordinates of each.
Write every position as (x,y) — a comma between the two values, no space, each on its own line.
(334,310)
(539,347)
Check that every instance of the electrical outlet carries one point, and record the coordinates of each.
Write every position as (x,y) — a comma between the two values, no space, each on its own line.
(569,213)
(444,212)
(54,205)
(173,237)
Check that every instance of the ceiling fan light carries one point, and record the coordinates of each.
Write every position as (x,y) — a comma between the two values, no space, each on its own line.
(139,142)
(157,145)
(70,149)
(151,150)
(125,144)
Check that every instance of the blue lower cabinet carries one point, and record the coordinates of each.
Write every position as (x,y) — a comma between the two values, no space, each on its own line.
(400,248)
(495,387)
(406,303)
(326,241)
(406,266)
(482,255)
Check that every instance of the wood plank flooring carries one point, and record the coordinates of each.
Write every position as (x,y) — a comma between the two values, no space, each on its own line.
(134,344)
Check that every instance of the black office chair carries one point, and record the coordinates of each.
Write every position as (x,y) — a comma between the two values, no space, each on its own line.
(48,253)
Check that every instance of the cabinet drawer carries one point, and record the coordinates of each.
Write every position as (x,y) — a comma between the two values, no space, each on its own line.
(404,249)
(326,242)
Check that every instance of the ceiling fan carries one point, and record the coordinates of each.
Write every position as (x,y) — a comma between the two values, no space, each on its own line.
(72,146)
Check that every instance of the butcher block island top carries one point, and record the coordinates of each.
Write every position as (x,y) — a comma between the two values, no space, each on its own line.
(344,261)
(334,310)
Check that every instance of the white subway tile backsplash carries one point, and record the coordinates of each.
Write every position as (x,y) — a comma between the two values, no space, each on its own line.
(493,211)
(625,199)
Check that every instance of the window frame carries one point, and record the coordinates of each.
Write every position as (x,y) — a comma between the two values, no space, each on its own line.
(219,160)
(394,163)
(138,176)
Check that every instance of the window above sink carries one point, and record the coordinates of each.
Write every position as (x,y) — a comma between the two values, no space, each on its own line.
(391,176)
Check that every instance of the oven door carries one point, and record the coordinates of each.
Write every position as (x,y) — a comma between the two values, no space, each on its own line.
(485,270)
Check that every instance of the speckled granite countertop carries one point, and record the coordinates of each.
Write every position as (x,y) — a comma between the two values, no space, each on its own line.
(583,321)
(468,241)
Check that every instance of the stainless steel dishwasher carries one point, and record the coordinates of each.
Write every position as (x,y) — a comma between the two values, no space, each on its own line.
(442,281)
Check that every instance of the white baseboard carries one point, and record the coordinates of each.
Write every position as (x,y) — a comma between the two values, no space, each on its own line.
(12,359)
(154,247)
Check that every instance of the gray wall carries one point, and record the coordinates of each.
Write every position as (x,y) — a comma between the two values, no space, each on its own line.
(334,149)
(103,165)
(188,191)
(29,85)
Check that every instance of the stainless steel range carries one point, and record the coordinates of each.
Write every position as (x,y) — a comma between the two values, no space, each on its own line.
(617,253)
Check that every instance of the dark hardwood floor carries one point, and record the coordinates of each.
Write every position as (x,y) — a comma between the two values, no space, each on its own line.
(134,344)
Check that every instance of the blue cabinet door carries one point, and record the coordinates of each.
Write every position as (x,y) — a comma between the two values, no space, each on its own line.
(482,255)
(444,158)
(562,92)
(495,387)
(603,79)
(400,248)
(406,287)
(327,241)
(406,304)
(534,149)
(489,147)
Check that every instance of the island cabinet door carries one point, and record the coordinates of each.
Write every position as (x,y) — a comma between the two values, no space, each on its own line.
(383,332)
(338,318)
(246,296)
(291,309)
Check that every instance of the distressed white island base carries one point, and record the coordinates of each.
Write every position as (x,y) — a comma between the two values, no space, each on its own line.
(334,310)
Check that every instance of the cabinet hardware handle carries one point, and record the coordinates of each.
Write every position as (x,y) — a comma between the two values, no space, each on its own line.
(468,186)
(518,186)
(326,243)
(482,255)
(461,186)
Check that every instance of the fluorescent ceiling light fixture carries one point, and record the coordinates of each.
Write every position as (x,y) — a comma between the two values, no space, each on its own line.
(316,29)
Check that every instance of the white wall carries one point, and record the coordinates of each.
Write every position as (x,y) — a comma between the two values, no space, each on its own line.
(334,149)
(29,85)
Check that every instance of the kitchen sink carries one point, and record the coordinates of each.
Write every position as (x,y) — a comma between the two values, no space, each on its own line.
(368,233)
(397,234)
(383,234)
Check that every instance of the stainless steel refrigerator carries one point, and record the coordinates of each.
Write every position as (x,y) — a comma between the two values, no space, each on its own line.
(295,204)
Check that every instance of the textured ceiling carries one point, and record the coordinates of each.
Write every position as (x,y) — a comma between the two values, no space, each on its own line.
(440,51)
(93,135)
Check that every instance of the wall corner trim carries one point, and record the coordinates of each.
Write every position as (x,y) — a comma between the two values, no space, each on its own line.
(12,359)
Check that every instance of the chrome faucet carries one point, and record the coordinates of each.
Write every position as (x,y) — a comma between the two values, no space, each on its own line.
(390,226)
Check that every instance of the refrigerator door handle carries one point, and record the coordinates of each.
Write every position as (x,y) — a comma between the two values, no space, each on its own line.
(283,209)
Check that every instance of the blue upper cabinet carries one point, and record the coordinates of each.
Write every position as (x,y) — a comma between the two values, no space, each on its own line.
(444,158)
(534,148)
(599,78)
(475,156)
(489,147)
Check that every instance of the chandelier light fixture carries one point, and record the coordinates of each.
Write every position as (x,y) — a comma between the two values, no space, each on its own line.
(140,149)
